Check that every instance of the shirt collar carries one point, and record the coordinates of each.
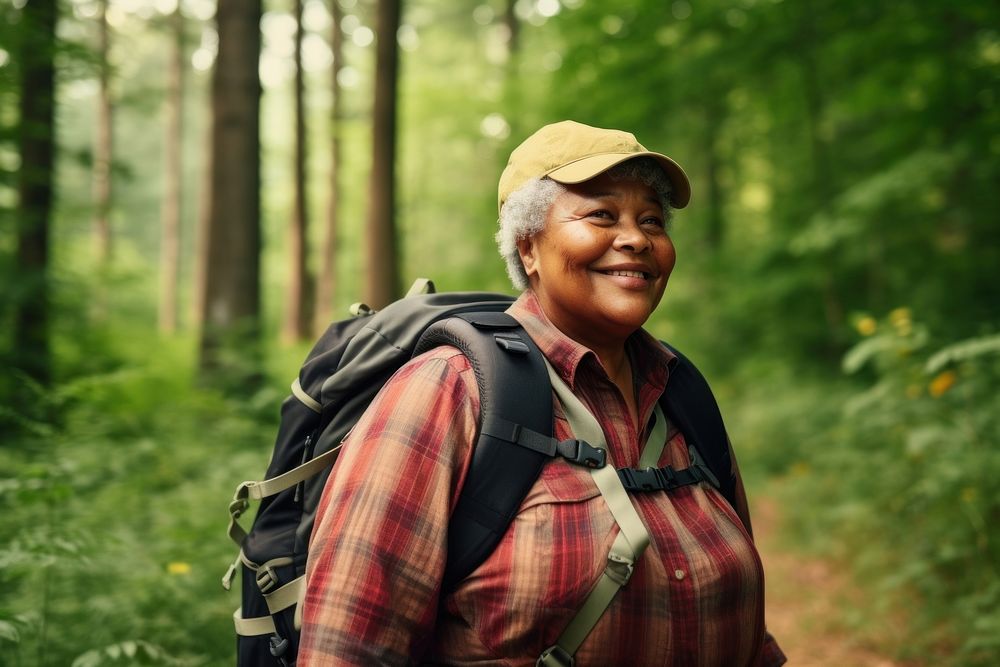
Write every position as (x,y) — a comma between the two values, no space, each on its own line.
(651,361)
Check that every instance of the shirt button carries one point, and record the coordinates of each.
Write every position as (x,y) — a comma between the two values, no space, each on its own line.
(679,574)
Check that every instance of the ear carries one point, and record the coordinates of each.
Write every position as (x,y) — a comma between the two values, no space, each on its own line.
(526,249)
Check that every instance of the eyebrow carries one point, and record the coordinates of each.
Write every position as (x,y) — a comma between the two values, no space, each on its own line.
(652,199)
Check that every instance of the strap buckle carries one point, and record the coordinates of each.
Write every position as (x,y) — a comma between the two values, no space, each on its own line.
(582,453)
(619,569)
(555,656)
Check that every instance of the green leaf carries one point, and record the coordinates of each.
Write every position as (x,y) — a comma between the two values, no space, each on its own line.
(963,351)
(9,632)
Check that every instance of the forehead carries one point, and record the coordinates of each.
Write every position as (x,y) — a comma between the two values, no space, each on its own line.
(604,186)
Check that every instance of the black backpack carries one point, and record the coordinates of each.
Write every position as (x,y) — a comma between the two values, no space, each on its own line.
(340,377)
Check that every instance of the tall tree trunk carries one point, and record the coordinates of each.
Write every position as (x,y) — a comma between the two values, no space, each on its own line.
(231,317)
(36,143)
(383,272)
(170,211)
(298,319)
(103,143)
(328,261)
(512,71)
(203,224)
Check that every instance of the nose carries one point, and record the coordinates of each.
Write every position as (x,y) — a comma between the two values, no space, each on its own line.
(631,237)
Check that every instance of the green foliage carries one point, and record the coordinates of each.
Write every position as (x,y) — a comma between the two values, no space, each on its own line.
(903,486)
(843,156)
(112,537)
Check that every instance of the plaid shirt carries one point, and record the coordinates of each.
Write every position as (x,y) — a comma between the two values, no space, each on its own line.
(380,539)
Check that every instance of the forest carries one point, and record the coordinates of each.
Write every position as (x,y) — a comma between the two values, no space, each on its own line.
(192,190)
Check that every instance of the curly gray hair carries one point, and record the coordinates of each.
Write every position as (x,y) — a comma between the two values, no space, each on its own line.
(524,213)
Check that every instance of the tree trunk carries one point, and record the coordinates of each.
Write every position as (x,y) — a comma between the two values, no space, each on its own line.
(512,72)
(103,144)
(328,263)
(36,144)
(298,319)
(231,316)
(170,211)
(383,272)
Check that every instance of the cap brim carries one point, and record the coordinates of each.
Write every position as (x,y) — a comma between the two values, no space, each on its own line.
(587,168)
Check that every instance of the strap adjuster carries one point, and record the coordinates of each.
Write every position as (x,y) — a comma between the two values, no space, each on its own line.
(582,453)
(619,569)
(555,656)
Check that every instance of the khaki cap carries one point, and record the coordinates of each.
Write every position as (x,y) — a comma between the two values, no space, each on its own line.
(570,152)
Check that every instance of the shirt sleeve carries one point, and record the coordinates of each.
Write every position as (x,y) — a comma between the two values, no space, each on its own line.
(379,544)
(771,654)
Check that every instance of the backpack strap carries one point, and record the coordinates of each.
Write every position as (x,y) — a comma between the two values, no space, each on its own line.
(515,407)
(690,404)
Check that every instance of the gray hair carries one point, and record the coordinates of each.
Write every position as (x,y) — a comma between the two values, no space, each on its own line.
(523,214)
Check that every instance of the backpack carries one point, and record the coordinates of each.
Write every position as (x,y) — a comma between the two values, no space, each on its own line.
(340,377)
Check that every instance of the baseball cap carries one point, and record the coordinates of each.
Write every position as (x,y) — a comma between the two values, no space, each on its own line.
(569,152)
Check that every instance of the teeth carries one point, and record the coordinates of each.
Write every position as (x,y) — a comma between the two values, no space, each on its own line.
(627,274)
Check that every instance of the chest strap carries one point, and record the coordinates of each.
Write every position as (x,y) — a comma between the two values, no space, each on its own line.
(664,479)
(631,542)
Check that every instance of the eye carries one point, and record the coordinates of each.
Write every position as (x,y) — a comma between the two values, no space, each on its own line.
(601,213)
(654,222)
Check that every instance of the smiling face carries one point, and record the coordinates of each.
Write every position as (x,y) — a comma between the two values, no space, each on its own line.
(601,262)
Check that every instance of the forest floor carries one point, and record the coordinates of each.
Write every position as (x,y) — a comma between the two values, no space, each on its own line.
(804,595)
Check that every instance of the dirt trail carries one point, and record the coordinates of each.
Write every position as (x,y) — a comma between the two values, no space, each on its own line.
(802,597)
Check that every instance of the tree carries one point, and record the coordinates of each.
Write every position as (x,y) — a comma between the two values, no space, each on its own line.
(103,142)
(170,210)
(231,315)
(328,257)
(383,270)
(298,319)
(36,143)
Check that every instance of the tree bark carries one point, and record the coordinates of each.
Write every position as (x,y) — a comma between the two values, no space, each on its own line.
(103,144)
(325,288)
(298,319)
(36,144)
(171,206)
(231,316)
(383,272)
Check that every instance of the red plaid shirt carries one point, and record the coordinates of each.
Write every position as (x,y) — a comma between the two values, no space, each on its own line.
(380,540)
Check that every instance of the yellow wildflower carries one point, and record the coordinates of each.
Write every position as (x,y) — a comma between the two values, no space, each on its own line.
(942,383)
(969,494)
(179,568)
(799,469)
(866,326)
(902,321)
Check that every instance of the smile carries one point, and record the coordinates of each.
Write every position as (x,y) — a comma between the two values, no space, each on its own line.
(628,274)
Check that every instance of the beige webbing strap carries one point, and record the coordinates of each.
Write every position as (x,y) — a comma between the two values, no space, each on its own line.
(421,286)
(286,596)
(306,400)
(258,490)
(657,440)
(632,539)
(252,627)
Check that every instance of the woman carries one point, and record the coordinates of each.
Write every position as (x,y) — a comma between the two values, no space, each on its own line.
(584,215)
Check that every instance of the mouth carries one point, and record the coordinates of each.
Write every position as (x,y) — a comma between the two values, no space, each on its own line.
(628,274)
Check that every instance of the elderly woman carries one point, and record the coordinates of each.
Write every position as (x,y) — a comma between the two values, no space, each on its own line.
(584,220)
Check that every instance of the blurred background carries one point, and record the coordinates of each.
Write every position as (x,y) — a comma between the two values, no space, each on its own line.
(190,191)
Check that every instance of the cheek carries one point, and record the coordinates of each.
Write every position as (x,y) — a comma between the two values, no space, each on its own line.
(666,256)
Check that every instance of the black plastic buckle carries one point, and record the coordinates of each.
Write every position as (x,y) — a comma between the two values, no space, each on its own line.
(278,646)
(583,454)
(645,479)
(511,344)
